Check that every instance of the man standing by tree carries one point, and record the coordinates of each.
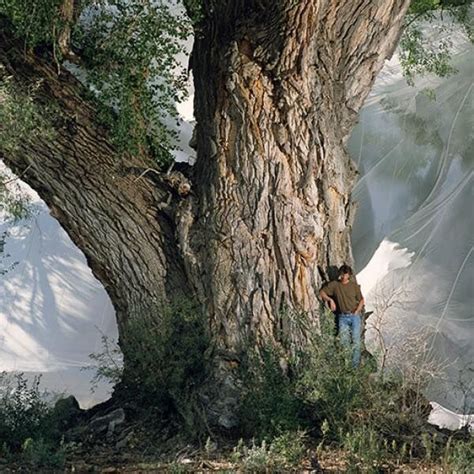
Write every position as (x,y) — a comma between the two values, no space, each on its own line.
(345,299)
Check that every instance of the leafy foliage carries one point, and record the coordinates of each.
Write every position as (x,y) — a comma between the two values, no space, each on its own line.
(22,410)
(35,22)
(367,450)
(459,455)
(376,418)
(168,360)
(14,204)
(126,51)
(269,406)
(130,51)
(3,256)
(283,453)
(43,453)
(20,117)
(327,380)
(29,426)
(420,51)
(106,365)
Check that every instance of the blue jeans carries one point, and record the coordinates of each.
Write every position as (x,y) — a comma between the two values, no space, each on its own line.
(349,326)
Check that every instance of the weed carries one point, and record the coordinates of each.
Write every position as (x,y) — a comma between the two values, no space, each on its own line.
(459,456)
(281,454)
(269,405)
(106,365)
(23,412)
(328,383)
(367,450)
(28,424)
(289,447)
(42,453)
(166,361)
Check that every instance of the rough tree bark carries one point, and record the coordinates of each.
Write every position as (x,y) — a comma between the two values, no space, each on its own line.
(278,85)
(110,211)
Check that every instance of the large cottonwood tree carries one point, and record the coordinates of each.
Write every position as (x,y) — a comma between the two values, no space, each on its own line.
(254,225)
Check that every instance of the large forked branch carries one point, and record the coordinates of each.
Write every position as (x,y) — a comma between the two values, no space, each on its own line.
(112,217)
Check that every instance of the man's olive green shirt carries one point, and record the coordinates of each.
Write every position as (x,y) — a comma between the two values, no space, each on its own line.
(347,296)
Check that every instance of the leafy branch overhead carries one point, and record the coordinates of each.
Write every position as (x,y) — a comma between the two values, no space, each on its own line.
(426,45)
(127,52)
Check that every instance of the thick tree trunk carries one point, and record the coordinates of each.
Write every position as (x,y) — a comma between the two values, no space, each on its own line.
(278,86)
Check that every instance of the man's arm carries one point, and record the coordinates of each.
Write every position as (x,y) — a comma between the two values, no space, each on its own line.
(361,301)
(327,299)
(359,306)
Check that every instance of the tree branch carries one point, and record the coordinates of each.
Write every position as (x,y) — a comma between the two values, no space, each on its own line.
(77,173)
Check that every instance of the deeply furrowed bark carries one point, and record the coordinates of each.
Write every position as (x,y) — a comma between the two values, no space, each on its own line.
(111,213)
(278,86)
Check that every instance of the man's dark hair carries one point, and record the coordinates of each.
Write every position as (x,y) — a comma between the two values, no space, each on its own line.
(345,269)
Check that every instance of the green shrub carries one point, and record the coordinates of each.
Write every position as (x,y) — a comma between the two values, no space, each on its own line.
(376,418)
(321,391)
(41,453)
(459,456)
(348,402)
(29,426)
(256,458)
(23,411)
(366,448)
(284,452)
(167,359)
(269,405)
(289,447)
(36,25)
(107,365)
(21,116)
(327,382)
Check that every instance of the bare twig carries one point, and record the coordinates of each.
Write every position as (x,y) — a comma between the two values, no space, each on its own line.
(147,171)
(4,183)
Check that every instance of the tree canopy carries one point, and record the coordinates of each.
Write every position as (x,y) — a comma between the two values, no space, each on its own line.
(126,52)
